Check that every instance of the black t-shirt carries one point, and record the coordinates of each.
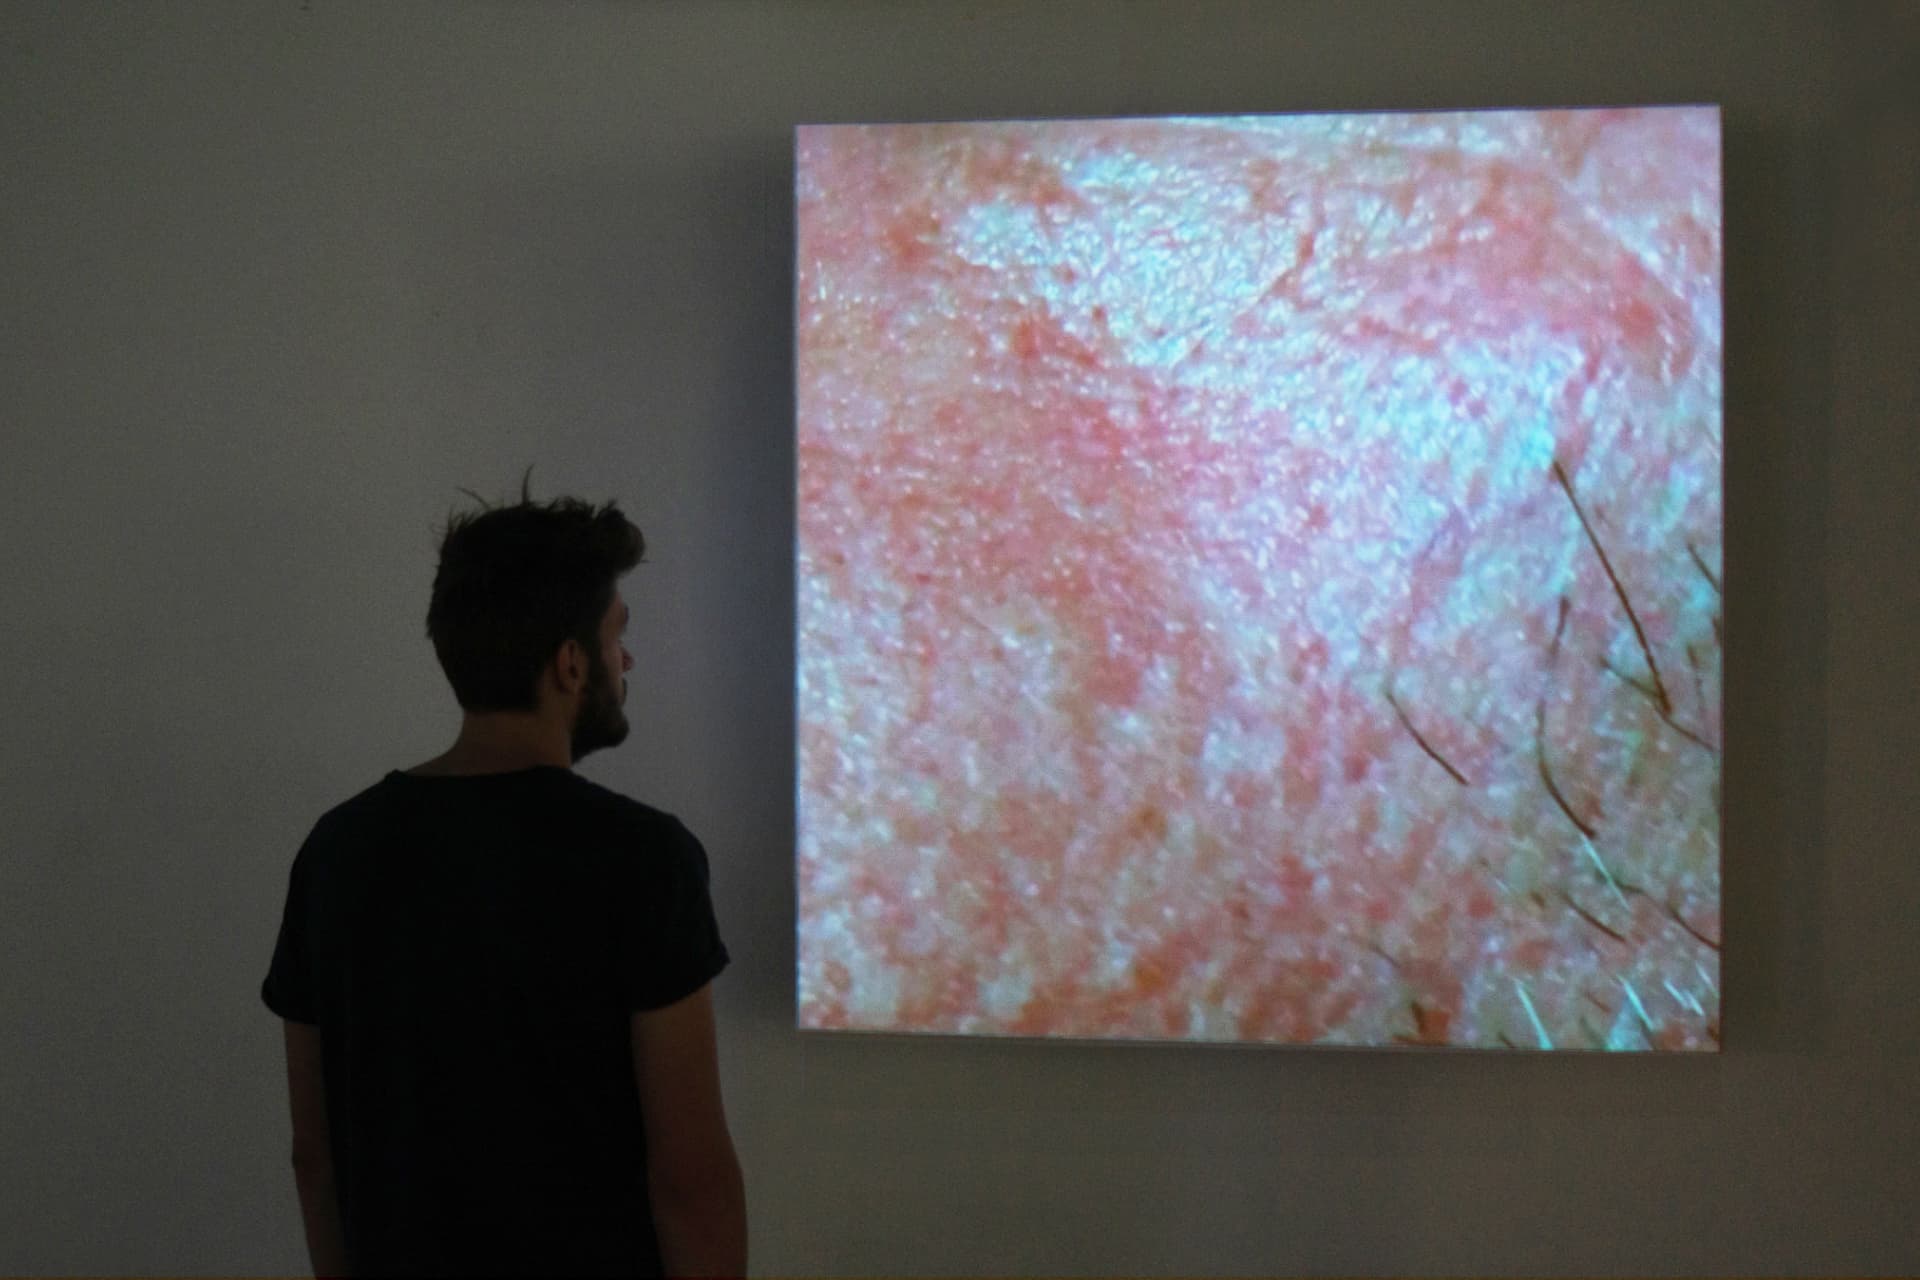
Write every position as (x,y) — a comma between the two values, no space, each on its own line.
(472,949)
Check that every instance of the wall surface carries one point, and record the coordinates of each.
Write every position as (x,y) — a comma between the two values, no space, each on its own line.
(279,278)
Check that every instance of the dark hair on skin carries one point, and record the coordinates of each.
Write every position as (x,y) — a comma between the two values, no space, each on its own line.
(515,583)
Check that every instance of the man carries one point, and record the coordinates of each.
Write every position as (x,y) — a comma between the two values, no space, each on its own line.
(496,975)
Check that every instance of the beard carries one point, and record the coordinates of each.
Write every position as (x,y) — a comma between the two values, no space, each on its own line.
(601,722)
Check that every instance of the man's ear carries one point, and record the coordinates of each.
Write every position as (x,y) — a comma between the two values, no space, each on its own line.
(569,664)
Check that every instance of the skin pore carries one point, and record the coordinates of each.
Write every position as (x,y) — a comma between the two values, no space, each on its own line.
(580,712)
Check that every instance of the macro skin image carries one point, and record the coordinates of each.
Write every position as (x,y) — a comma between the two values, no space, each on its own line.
(1259,579)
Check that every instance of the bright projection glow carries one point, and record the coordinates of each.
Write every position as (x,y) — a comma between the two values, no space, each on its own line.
(1260,579)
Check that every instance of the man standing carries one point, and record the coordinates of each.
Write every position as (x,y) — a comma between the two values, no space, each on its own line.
(496,974)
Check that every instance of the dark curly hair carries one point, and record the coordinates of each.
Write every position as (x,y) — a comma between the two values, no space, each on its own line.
(515,583)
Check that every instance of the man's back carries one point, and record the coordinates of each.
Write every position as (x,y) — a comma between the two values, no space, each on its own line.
(475,950)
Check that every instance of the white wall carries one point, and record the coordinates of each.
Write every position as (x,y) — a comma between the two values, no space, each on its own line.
(278,277)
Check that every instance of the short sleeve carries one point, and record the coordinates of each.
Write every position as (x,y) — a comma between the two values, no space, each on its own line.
(670,943)
(288,990)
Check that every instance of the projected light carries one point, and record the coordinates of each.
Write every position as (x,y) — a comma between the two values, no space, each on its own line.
(1259,579)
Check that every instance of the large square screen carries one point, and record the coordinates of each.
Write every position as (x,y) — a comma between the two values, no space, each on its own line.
(1259,579)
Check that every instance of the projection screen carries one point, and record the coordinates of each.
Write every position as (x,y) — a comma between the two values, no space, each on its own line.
(1259,579)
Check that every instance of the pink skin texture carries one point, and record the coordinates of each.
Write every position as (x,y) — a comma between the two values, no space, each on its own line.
(1259,579)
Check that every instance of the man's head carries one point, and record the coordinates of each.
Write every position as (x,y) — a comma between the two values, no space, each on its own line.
(526,617)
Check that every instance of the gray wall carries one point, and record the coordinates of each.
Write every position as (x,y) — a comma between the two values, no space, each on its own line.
(278,277)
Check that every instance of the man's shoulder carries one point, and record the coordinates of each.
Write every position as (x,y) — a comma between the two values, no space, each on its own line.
(642,839)
(642,817)
(584,805)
